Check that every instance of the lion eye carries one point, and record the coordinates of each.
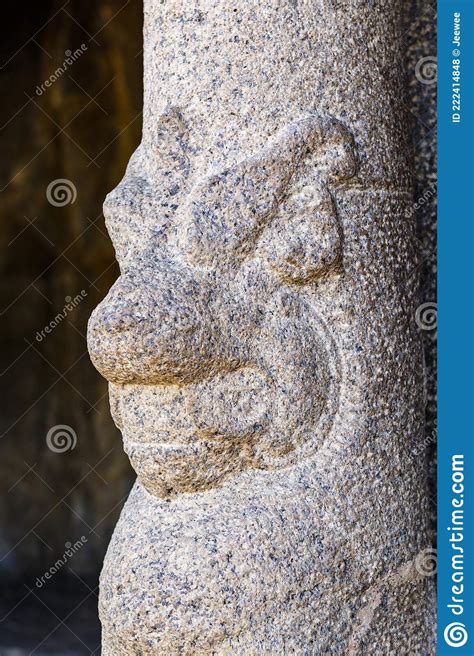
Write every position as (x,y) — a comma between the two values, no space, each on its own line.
(228,214)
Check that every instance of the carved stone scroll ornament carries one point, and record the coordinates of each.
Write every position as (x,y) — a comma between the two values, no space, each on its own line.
(263,370)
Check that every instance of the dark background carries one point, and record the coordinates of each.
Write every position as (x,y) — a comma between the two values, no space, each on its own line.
(83,129)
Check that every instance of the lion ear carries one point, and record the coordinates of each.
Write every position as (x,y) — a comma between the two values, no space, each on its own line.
(337,158)
(304,242)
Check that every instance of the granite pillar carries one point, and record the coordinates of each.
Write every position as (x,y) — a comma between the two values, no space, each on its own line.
(264,363)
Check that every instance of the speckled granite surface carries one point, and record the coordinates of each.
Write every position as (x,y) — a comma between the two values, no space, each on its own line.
(265,366)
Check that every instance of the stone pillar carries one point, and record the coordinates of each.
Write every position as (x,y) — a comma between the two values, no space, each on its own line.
(264,363)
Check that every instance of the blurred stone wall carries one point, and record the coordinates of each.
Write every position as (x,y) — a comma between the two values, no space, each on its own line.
(71,110)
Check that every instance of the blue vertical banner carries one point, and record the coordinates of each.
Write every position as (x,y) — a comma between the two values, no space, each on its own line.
(455,327)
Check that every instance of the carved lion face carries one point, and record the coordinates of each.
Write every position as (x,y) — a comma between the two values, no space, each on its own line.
(217,357)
